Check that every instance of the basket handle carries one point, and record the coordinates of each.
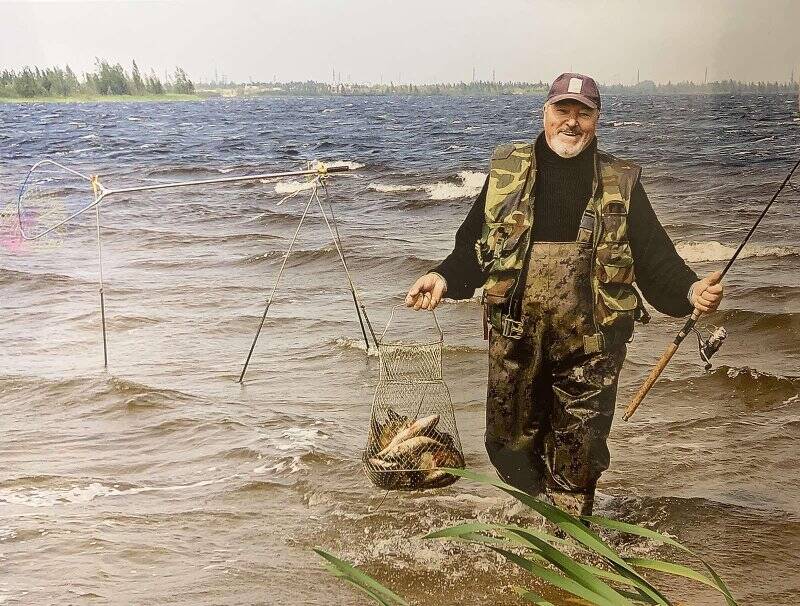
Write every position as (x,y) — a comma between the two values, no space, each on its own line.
(403,306)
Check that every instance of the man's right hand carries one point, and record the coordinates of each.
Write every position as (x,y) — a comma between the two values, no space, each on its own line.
(427,292)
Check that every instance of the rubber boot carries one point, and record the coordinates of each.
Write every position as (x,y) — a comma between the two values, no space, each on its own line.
(574,503)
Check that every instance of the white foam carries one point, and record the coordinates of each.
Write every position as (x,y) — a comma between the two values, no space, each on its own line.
(697,252)
(469,186)
(627,124)
(39,497)
(389,189)
(292,187)
(304,438)
(291,464)
(351,164)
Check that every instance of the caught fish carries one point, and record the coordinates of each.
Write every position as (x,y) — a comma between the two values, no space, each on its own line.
(418,427)
(385,433)
(410,449)
(409,455)
(427,461)
(448,457)
(434,477)
(383,465)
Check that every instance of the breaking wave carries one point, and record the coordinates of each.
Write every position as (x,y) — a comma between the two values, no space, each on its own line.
(51,497)
(698,252)
(745,380)
(292,187)
(467,184)
(351,164)
(749,320)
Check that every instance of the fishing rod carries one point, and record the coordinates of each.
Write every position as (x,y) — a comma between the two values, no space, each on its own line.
(710,347)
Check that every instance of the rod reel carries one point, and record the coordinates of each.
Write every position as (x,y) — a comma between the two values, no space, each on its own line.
(711,345)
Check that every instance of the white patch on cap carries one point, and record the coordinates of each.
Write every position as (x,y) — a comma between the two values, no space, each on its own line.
(575,85)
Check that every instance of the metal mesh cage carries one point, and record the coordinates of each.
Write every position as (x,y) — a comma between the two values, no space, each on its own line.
(413,431)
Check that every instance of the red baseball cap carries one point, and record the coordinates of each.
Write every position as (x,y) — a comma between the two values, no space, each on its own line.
(575,86)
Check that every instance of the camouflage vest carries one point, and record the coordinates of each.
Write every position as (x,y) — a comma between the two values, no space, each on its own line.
(508,223)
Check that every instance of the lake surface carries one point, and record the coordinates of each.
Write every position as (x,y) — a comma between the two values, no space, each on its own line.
(164,481)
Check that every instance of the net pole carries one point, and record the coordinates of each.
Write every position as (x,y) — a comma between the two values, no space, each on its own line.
(101,192)
(337,244)
(360,303)
(96,191)
(275,286)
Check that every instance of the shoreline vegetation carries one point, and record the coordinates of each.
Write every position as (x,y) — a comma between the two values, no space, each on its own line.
(106,83)
(113,83)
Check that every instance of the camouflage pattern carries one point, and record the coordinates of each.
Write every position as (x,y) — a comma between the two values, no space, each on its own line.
(508,224)
(549,404)
(508,218)
(615,298)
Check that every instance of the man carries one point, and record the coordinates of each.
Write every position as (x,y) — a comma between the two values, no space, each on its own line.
(560,237)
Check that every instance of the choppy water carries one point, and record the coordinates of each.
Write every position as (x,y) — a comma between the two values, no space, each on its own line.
(165,481)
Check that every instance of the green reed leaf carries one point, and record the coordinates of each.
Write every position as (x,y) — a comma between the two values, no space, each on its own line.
(657,536)
(573,527)
(533,598)
(562,582)
(361,580)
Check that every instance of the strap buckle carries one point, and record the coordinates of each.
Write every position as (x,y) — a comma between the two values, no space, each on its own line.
(511,328)
(595,343)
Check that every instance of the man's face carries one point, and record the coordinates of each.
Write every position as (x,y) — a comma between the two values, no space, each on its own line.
(569,126)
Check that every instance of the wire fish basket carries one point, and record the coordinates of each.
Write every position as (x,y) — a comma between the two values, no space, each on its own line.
(413,431)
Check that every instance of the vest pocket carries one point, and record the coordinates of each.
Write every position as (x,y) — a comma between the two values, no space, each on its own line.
(618,297)
(498,247)
(616,309)
(615,263)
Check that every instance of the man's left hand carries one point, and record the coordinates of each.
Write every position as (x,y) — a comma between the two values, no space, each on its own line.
(707,293)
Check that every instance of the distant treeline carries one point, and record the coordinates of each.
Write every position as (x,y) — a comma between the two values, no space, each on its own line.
(313,88)
(106,79)
(648,87)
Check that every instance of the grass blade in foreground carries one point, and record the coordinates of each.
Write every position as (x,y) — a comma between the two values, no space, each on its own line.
(657,536)
(559,581)
(533,598)
(573,527)
(361,580)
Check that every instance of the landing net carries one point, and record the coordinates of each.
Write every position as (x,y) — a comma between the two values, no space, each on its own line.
(413,433)
(53,197)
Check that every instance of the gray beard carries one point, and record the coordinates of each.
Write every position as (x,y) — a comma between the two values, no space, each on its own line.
(571,152)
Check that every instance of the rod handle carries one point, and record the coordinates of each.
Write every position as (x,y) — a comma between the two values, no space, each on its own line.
(651,379)
(660,366)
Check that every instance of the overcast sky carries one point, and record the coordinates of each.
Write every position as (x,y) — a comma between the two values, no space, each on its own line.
(413,40)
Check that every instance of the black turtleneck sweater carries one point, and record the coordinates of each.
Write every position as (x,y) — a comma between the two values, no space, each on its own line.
(563,188)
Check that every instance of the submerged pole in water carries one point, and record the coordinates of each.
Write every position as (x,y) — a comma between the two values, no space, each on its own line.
(96,192)
(337,241)
(275,287)
(687,328)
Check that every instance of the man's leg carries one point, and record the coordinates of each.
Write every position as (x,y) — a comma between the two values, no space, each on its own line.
(517,416)
(585,391)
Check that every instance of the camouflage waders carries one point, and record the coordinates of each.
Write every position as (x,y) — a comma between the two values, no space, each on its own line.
(550,404)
